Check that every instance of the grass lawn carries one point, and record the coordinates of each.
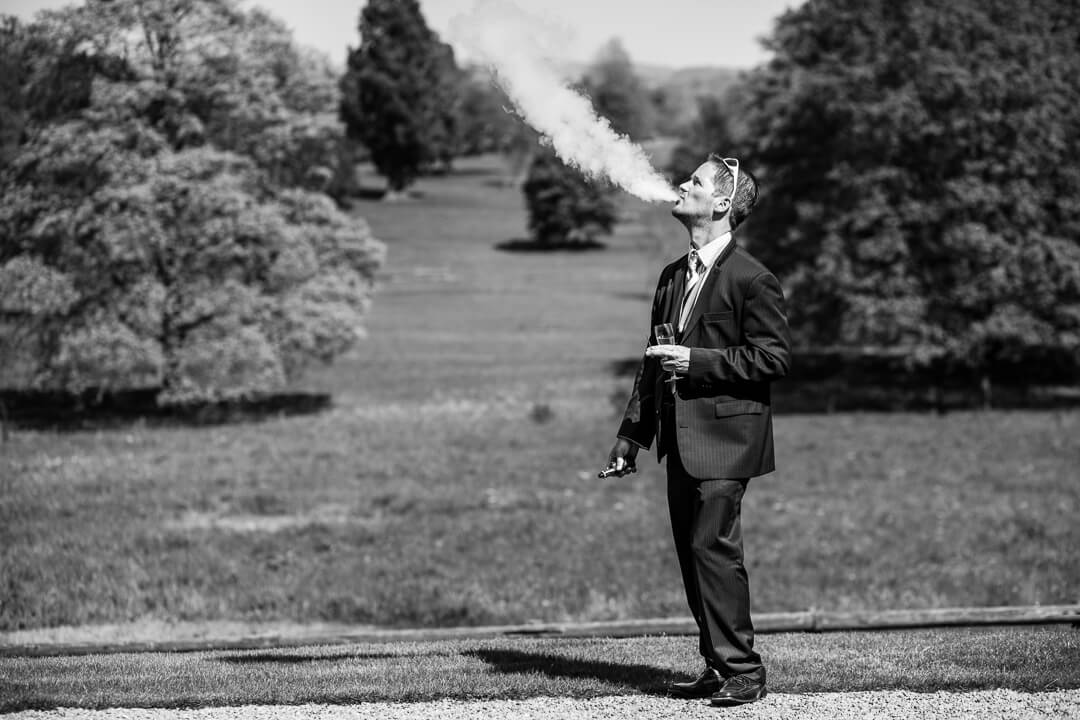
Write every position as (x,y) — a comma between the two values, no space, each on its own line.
(925,661)
(453,483)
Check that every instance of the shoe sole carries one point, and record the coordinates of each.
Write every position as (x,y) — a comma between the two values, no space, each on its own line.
(732,702)
(689,695)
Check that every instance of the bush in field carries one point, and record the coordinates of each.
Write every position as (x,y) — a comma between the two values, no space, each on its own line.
(149,236)
(920,178)
(400,92)
(565,207)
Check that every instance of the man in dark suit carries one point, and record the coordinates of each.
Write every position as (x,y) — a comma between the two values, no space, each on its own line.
(714,422)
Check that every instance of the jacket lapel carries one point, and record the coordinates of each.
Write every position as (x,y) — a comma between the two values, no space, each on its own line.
(707,289)
(674,299)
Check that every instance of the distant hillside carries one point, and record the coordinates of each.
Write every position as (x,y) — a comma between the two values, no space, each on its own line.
(694,80)
(704,79)
(676,92)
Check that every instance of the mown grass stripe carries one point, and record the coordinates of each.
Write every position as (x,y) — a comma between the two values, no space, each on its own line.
(810,621)
(1031,659)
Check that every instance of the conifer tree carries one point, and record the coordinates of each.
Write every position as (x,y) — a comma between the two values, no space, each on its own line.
(399,91)
(617,93)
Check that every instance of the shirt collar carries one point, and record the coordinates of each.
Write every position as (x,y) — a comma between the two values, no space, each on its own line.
(712,249)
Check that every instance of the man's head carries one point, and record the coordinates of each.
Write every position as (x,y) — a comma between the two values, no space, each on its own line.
(719,187)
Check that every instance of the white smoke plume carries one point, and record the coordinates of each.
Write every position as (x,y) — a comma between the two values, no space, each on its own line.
(518,47)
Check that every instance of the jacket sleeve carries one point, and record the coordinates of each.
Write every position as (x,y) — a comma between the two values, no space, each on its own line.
(639,421)
(766,354)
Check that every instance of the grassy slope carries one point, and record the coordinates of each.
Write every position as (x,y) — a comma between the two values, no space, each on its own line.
(436,493)
(1019,659)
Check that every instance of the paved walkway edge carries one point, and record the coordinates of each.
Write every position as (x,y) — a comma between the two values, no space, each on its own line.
(808,621)
(861,705)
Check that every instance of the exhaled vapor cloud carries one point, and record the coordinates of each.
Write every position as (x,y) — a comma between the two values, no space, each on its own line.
(518,48)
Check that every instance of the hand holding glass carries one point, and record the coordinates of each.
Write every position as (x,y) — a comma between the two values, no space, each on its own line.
(665,335)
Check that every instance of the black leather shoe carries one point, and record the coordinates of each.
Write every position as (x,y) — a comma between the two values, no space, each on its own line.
(739,690)
(707,683)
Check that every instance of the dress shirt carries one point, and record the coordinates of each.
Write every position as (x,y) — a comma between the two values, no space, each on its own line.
(708,254)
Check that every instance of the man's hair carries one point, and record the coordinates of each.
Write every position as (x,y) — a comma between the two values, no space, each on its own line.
(745,195)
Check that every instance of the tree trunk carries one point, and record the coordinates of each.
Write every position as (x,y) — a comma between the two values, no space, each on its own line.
(395,196)
(939,396)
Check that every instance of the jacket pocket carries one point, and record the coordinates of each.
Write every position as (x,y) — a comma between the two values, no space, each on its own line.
(718,316)
(727,408)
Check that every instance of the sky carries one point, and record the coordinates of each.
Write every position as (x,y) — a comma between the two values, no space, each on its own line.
(675,33)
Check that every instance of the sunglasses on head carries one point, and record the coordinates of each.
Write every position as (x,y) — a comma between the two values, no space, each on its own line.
(732,164)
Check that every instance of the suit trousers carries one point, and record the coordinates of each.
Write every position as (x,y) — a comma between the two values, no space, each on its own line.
(705,522)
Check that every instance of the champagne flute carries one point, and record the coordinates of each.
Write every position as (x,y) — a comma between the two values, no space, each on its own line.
(665,335)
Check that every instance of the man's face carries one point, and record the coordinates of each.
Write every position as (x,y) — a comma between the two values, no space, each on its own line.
(697,196)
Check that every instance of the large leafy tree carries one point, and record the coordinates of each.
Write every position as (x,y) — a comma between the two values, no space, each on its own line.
(921,174)
(44,76)
(400,92)
(140,246)
(263,96)
(222,75)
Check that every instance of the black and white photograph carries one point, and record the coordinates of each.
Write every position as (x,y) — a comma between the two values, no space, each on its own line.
(539,359)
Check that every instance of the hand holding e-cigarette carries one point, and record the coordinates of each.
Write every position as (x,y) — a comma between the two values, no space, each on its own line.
(621,460)
(612,470)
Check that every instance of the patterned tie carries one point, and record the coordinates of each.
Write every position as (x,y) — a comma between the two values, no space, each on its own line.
(694,271)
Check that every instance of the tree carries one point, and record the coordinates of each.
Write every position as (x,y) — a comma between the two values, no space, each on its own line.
(400,92)
(43,76)
(189,271)
(564,207)
(13,40)
(675,98)
(920,174)
(487,124)
(224,76)
(446,131)
(137,252)
(710,132)
(617,93)
(264,97)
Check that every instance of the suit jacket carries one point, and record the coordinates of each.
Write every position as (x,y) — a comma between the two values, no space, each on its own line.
(739,343)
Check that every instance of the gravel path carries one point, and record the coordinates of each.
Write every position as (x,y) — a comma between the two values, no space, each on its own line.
(984,705)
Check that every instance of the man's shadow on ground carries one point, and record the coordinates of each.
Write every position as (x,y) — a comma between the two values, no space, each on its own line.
(644,678)
(623,677)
